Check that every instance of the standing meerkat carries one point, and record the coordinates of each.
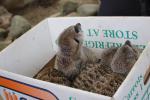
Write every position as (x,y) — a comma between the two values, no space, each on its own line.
(72,56)
(124,58)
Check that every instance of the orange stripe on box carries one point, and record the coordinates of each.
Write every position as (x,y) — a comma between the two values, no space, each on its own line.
(29,90)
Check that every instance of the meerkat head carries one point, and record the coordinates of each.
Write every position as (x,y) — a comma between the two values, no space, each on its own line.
(72,32)
(75,32)
(71,37)
(128,50)
(124,58)
(78,31)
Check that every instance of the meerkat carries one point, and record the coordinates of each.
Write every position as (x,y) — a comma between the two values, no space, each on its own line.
(72,56)
(124,58)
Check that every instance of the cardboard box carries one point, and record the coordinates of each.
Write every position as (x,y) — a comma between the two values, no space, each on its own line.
(21,60)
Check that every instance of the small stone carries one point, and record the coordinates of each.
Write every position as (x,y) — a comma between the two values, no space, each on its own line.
(5,18)
(69,7)
(88,9)
(72,14)
(3,10)
(19,25)
(3,33)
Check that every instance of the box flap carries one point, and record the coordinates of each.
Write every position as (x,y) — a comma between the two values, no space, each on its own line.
(29,89)
(29,53)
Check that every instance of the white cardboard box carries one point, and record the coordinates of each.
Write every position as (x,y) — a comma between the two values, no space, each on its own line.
(21,60)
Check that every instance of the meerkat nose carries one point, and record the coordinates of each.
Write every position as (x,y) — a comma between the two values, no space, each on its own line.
(128,43)
(77,28)
(78,24)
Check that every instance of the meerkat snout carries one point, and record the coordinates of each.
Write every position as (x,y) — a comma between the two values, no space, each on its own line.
(77,28)
(72,56)
(78,36)
(128,43)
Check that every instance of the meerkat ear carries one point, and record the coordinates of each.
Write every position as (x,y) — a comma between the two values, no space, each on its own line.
(128,43)
(77,27)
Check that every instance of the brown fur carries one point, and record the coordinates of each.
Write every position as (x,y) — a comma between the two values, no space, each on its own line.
(107,56)
(124,58)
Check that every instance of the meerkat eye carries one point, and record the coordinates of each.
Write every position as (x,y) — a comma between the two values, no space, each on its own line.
(76,40)
(77,27)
